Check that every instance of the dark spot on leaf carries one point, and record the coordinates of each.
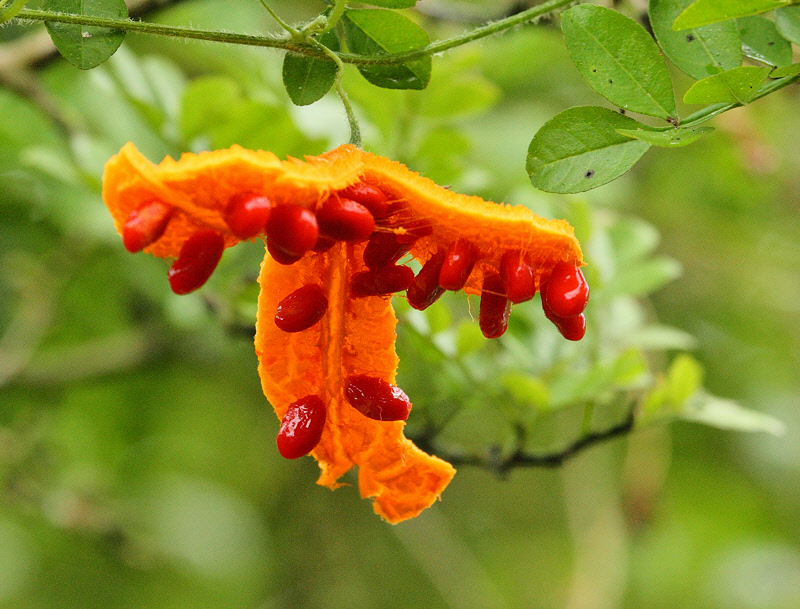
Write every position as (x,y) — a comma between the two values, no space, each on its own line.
(622,110)
(689,37)
(589,174)
(611,82)
(770,43)
(594,69)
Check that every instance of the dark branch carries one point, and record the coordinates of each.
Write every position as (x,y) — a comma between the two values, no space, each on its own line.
(493,461)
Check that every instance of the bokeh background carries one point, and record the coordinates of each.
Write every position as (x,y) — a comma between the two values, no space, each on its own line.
(137,458)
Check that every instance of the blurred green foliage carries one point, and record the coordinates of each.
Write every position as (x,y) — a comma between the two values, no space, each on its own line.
(137,458)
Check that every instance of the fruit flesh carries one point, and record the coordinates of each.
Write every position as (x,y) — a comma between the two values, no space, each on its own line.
(356,335)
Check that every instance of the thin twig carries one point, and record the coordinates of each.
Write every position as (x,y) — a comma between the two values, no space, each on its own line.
(288,44)
(492,461)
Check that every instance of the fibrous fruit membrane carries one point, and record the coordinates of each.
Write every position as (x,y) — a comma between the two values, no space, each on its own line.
(355,336)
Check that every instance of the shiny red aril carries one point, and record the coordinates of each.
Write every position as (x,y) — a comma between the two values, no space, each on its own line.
(518,278)
(457,265)
(301,309)
(292,229)
(370,197)
(495,307)
(197,259)
(345,220)
(567,292)
(145,225)
(280,256)
(383,249)
(323,244)
(376,398)
(247,214)
(571,328)
(301,427)
(426,289)
(381,282)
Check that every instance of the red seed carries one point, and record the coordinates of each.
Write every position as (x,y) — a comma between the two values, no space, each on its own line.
(301,309)
(323,244)
(280,256)
(145,225)
(301,427)
(495,307)
(426,289)
(197,259)
(369,196)
(293,229)
(457,265)
(376,398)
(247,214)
(383,249)
(381,282)
(567,291)
(518,277)
(571,328)
(345,220)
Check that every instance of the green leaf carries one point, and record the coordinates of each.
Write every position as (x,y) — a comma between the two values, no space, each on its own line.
(375,32)
(739,86)
(83,46)
(580,149)
(656,337)
(629,369)
(699,52)
(308,79)
(671,138)
(644,278)
(619,60)
(790,70)
(761,41)
(684,379)
(392,3)
(526,389)
(787,20)
(704,12)
(632,239)
(727,414)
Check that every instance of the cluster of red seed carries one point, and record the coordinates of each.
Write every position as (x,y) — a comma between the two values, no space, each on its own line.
(358,213)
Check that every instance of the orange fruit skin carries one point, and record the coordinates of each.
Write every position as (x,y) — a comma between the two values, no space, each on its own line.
(355,336)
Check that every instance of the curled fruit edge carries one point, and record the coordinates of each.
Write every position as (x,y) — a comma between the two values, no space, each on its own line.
(356,336)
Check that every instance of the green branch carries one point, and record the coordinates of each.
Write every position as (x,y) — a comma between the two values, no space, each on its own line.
(142,27)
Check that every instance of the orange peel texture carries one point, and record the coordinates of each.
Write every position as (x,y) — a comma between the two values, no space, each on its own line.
(356,336)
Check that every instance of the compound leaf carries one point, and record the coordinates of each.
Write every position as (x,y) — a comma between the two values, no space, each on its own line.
(86,46)
(375,32)
(619,60)
(703,12)
(739,86)
(670,138)
(761,41)
(307,79)
(580,149)
(701,51)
